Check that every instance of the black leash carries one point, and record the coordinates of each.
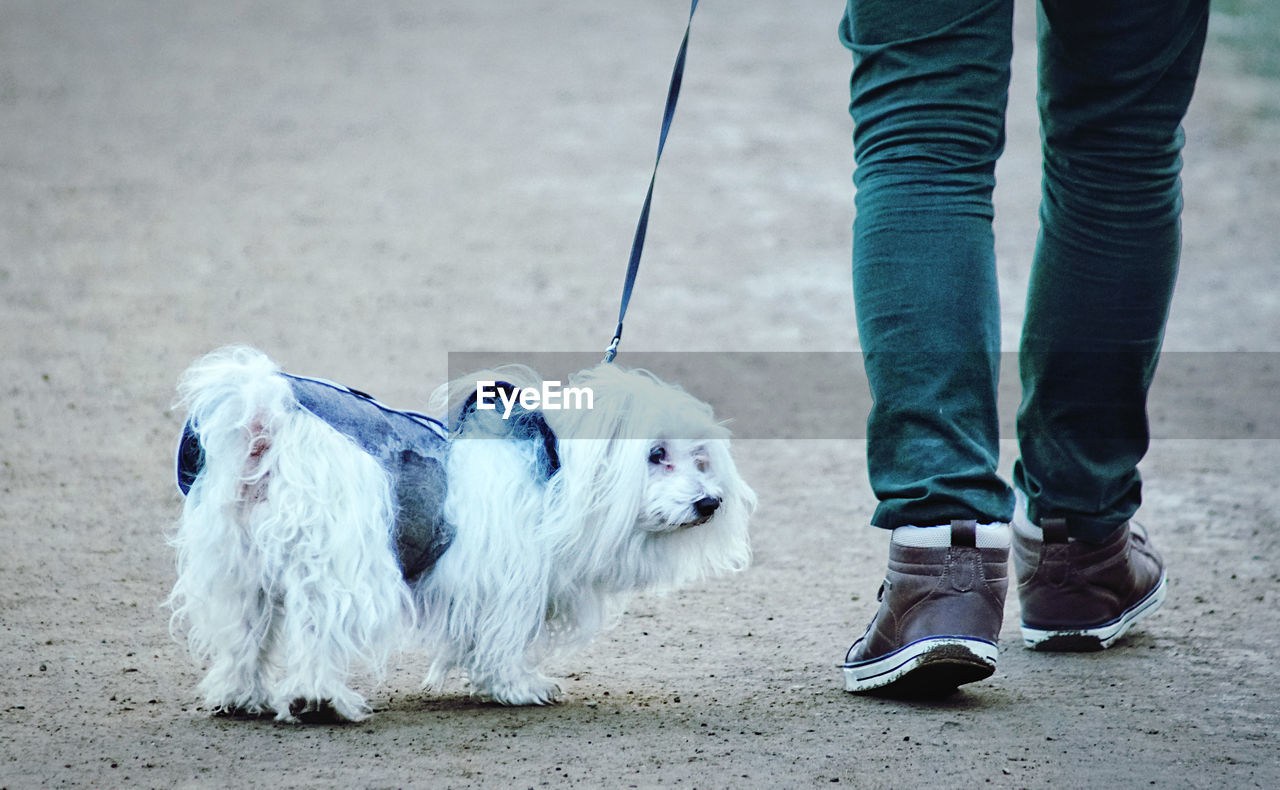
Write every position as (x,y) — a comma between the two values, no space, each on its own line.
(637,244)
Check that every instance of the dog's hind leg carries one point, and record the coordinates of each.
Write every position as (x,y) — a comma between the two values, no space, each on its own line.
(342,599)
(235,684)
(236,404)
(219,596)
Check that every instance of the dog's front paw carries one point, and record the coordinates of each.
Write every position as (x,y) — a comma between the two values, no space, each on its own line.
(534,689)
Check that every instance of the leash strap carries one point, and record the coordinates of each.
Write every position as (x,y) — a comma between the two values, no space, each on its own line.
(637,244)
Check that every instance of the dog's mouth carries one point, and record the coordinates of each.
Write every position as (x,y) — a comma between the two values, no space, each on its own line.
(696,521)
(667,527)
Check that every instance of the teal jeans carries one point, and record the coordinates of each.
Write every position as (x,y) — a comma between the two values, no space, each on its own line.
(928,96)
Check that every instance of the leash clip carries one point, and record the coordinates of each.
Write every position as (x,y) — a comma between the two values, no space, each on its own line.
(612,350)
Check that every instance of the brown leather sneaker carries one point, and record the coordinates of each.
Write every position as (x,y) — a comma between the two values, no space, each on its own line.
(939,618)
(1081,596)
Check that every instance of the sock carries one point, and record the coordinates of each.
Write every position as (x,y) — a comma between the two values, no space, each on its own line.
(989,536)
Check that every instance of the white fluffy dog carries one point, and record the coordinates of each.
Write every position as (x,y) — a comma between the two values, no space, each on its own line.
(308,547)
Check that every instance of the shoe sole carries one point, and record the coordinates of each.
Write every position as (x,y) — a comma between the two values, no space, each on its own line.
(926,668)
(1094,638)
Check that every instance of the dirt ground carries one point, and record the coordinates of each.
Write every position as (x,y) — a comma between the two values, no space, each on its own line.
(360,188)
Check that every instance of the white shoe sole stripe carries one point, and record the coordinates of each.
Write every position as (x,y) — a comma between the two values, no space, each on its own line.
(886,669)
(1107,633)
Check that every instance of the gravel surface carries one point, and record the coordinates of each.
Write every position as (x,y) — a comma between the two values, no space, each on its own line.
(360,188)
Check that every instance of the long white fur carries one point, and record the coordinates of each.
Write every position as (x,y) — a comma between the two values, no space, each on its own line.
(287,577)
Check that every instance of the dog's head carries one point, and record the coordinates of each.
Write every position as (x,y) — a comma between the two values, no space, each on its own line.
(649,469)
(633,476)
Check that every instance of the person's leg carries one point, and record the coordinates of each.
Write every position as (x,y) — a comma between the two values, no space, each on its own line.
(1114,86)
(1115,82)
(928,95)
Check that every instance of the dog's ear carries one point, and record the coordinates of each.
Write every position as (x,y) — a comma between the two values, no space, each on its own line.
(190,458)
(504,417)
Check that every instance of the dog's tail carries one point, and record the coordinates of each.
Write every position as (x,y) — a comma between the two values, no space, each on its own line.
(234,385)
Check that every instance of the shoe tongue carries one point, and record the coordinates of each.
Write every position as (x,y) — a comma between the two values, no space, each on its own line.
(964,532)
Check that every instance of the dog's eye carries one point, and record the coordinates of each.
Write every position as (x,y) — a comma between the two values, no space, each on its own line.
(658,455)
(702,464)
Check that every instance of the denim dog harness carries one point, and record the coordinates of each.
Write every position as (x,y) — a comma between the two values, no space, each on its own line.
(411,447)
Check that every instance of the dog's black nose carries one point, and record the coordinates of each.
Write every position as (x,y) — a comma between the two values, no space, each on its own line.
(706,506)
